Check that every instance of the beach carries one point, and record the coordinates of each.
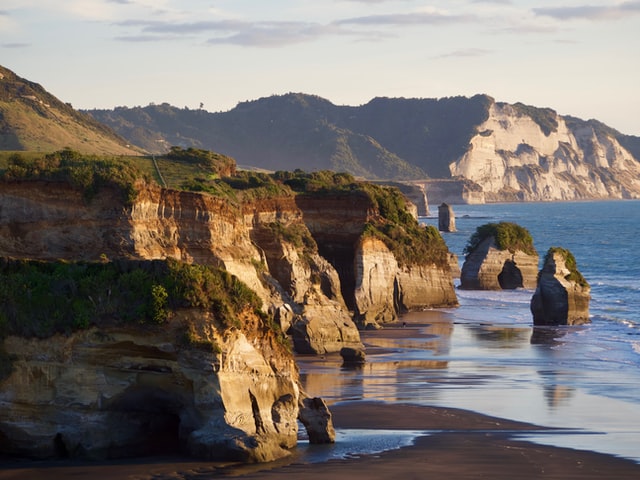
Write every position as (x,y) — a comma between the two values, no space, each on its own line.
(410,440)
(462,444)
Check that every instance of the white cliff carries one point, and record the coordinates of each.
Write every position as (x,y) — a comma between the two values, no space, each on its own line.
(513,157)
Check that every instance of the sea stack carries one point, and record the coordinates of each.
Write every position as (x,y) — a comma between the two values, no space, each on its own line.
(499,256)
(446,218)
(562,294)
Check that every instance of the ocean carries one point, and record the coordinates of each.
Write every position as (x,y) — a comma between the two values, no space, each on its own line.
(485,355)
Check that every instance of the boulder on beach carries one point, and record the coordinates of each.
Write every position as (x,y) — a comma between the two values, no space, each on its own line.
(562,294)
(499,256)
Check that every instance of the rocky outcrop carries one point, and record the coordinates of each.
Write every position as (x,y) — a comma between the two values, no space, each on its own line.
(117,392)
(375,271)
(51,220)
(489,268)
(446,218)
(384,288)
(526,154)
(562,294)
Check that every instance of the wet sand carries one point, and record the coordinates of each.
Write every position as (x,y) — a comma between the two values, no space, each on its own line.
(454,444)
(460,444)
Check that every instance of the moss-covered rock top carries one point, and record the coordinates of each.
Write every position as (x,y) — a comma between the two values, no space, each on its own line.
(40,299)
(571,264)
(507,236)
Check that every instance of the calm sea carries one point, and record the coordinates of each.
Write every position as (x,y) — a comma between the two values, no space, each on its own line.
(588,377)
(486,356)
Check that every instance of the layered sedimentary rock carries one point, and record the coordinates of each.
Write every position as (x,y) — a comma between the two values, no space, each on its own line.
(490,268)
(375,286)
(561,296)
(114,392)
(51,220)
(384,288)
(515,157)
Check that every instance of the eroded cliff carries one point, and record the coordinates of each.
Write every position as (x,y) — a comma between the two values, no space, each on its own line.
(521,153)
(63,395)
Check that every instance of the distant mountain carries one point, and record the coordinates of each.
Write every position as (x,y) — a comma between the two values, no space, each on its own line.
(33,119)
(511,152)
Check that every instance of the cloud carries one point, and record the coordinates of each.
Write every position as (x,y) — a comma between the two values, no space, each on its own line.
(591,12)
(15,45)
(466,52)
(416,18)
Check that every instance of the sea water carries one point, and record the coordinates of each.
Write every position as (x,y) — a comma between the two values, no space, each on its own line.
(587,377)
(486,356)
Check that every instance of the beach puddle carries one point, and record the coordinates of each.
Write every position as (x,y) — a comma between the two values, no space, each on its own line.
(353,443)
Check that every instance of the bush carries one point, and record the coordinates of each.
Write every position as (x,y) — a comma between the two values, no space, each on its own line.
(570,261)
(507,236)
(87,173)
(39,299)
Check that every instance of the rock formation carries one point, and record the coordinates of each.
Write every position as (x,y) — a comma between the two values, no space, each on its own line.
(446,218)
(113,391)
(51,220)
(562,294)
(117,392)
(522,153)
(491,266)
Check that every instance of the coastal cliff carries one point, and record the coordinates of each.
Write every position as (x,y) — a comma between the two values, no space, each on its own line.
(522,153)
(125,391)
(236,398)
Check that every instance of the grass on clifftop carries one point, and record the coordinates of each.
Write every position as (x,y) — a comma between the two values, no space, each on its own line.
(507,236)
(87,173)
(40,299)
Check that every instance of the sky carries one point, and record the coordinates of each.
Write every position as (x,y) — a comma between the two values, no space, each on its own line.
(578,57)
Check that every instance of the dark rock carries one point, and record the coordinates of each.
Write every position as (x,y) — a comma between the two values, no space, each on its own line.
(316,418)
(562,295)
(353,356)
(446,218)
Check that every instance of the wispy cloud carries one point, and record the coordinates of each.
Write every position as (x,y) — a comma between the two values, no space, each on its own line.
(16,45)
(416,18)
(591,12)
(466,52)
(236,32)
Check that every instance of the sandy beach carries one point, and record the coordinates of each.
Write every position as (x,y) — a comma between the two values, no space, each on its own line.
(452,443)
(461,444)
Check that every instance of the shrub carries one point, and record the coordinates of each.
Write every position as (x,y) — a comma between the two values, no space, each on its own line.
(507,236)
(39,299)
(570,262)
(87,173)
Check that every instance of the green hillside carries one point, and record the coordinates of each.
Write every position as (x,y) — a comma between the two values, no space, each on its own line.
(32,119)
(384,139)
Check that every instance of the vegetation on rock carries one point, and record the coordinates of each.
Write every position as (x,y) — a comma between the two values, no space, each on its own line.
(215,162)
(87,173)
(546,118)
(570,262)
(39,299)
(507,236)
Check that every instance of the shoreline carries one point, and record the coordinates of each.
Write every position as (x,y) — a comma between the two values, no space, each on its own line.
(456,444)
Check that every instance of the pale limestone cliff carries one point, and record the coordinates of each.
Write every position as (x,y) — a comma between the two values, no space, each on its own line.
(384,288)
(559,299)
(114,392)
(489,268)
(375,273)
(512,158)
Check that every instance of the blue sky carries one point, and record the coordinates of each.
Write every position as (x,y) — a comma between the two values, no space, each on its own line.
(581,58)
